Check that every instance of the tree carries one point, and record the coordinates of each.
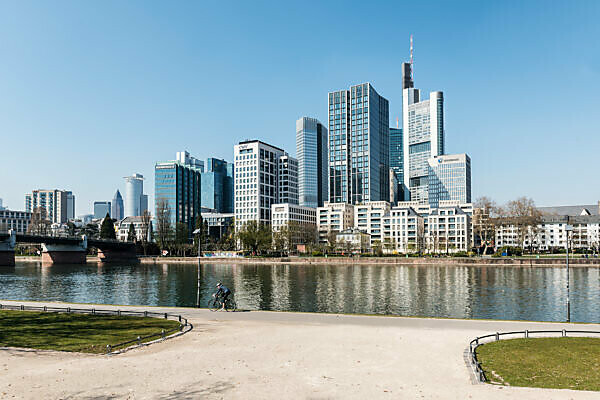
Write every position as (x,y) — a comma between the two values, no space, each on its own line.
(107,229)
(181,237)
(484,227)
(331,241)
(164,229)
(525,217)
(40,224)
(131,234)
(255,237)
(146,227)
(281,240)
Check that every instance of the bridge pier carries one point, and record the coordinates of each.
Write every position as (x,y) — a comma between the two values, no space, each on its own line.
(117,255)
(64,253)
(7,250)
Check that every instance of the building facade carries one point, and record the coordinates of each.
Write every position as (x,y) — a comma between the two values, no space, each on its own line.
(134,196)
(300,221)
(123,228)
(397,162)
(256,181)
(358,145)
(117,208)
(368,218)
(217,186)
(101,208)
(449,179)
(55,202)
(178,186)
(424,136)
(334,217)
(311,150)
(18,221)
(219,224)
(287,172)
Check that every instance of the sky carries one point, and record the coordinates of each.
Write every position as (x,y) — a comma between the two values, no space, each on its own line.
(91,92)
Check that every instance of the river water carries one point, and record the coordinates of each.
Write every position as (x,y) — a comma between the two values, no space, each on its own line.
(516,293)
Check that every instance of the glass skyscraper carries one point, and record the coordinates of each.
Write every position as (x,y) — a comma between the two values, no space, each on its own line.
(101,208)
(117,206)
(397,158)
(358,145)
(423,127)
(178,183)
(311,151)
(217,186)
(449,179)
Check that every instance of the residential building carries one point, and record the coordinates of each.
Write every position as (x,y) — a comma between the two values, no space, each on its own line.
(178,184)
(219,224)
(397,163)
(55,202)
(256,181)
(449,179)
(135,200)
(423,128)
(287,172)
(447,230)
(301,222)
(586,209)
(311,150)
(123,228)
(334,217)
(101,208)
(402,230)
(358,145)
(368,218)
(217,186)
(18,221)
(117,208)
(353,240)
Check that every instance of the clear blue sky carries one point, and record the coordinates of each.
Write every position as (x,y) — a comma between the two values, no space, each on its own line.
(93,91)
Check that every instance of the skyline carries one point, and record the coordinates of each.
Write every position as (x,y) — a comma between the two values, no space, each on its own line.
(115,101)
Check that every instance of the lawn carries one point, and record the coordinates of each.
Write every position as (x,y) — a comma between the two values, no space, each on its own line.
(74,332)
(560,363)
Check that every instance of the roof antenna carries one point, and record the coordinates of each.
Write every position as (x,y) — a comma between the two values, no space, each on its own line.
(412,70)
(397,123)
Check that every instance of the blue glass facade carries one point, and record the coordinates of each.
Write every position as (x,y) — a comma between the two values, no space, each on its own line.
(397,157)
(449,179)
(311,151)
(217,186)
(101,208)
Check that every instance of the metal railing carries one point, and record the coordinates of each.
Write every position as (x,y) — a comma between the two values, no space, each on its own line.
(480,340)
(111,348)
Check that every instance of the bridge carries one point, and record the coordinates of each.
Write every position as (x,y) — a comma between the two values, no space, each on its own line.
(65,249)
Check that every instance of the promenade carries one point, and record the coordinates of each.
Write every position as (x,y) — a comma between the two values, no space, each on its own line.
(277,355)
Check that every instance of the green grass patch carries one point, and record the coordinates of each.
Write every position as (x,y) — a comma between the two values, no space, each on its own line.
(559,363)
(74,332)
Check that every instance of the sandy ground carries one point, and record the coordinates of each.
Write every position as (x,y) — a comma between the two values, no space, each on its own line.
(270,355)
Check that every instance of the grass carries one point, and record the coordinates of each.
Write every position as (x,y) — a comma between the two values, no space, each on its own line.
(559,363)
(74,332)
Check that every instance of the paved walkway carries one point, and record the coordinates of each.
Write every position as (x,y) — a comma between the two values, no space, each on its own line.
(273,355)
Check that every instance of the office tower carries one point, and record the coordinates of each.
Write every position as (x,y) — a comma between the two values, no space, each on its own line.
(143,203)
(311,150)
(184,158)
(178,184)
(117,206)
(101,208)
(449,179)
(423,127)
(358,145)
(134,191)
(256,186)
(287,172)
(70,205)
(217,186)
(397,160)
(55,202)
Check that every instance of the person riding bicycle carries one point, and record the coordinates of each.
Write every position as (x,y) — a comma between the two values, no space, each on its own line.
(223,293)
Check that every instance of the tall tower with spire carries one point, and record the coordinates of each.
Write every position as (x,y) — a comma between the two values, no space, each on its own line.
(117,206)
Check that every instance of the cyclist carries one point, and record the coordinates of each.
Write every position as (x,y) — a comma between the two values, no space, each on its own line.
(223,293)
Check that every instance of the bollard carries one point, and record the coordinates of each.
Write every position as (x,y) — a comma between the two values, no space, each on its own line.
(526,334)
(163,333)
(22,307)
(145,313)
(497,336)
(108,349)
(119,313)
(165,315)
(564,333)
(93,311)
(180,318)
(139,339)
(45,308)
(69,310)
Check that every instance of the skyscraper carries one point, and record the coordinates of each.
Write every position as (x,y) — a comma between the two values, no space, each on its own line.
(117,206)
(101,208)
(55,202)
(397,161)
(311,150)
(217,186)
(134,192)
(423,126)
(178,183)
(358,145)
(287,180)
(256,181)
(449,179)
(70,205)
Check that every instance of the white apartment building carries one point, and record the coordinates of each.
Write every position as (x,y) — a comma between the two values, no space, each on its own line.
(59,204)
(401,230)
(18,221)
(368,218)
(334,217)
(123,228)
(256,184)
(292,216)
(447,230)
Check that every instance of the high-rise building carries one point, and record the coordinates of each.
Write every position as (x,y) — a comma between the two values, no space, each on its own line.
(449,179)
(117,206)
(217,186)
(134,193)
(70,205)
(256,181)
(101,208)
(397,160)
(55,202)
(287,180)
(311,151)
(179,185)
(423,127)
(358,145)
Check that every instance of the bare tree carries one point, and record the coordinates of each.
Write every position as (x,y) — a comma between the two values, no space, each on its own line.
(525,217)
(40,224)
(164,228)
(146,221)
(484,227)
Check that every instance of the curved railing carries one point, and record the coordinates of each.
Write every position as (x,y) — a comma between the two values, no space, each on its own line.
(113,348)
(480,340)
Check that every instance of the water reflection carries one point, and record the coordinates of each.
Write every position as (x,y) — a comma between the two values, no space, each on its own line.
(435,291)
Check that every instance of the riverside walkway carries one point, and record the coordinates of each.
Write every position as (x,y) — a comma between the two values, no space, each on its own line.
(274,355)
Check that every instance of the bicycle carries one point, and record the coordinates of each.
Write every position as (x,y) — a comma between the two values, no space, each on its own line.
(215,304)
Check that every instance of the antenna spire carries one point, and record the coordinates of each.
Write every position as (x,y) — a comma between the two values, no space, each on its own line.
(412,69)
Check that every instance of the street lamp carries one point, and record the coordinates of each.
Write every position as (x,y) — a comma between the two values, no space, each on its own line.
(568,228)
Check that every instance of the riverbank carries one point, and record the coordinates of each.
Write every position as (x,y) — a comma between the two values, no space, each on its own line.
(245,355)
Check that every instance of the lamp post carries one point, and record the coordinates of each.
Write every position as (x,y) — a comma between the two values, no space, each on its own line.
(568,228)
